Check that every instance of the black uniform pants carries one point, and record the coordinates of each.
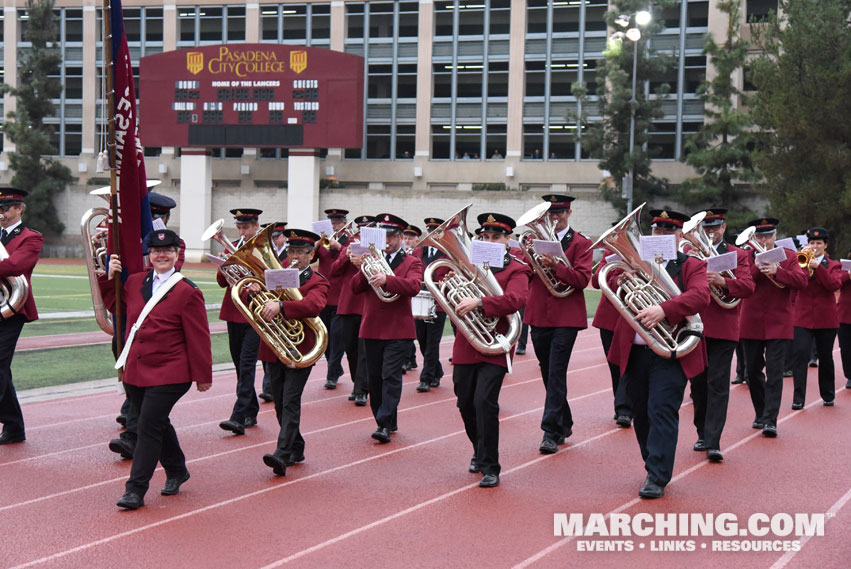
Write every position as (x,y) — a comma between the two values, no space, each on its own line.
(334,351)
(552,348)
(244,343)
(384,360)
(524,332)
(157,439)
(10,410)
(710,392)
(287,386)
(429,335)
(477,387)
(845,348)
(765,394)
(656,386)
(355,352)
(622,406)
(824,338)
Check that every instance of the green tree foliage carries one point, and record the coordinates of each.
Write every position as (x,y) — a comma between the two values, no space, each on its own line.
(608,138)
(721,151)
(35,170)
(802,107)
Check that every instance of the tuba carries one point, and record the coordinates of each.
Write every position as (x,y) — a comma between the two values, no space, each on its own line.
(746,240)
(284,336)
(469,281)
(95,248)
(703,248)
(643,285)
(540,227)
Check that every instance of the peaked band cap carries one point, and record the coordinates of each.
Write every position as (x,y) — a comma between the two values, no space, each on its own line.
(391,222)
(558,201)
(668,219)
(765,224)
(714,216)
(433,221)
(336,213)
(818,233)
(301,238)
(246,215)
(163,238)
(496,222)
(413,230)
(9,194)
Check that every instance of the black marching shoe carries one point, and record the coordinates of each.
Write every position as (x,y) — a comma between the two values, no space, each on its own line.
(738,381)
(474,466)
(788,373)
(423,387)
(295,459)
(250,421)
(623,421)
(769,431)
(848,384)
(651,489)
(232,426)
(130,501)
(714,455)
(412,364)
(276,463)
(267,398)
(519,351)
(828,403)
(489,481)
(797,406)
(7,438)
(699,446)
(121,420)
(382,435)
(434,383)
(172,485)
(548,446)
(352,396)
(757,424)
(813,363)
(330,384)
(123,447)
(360,399)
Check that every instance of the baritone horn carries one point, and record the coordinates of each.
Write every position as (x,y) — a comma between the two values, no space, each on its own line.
(541,227)
(374,263)
(746,240)
(233,272)
(469,281)
(703,248)
(642,285)
(94,230)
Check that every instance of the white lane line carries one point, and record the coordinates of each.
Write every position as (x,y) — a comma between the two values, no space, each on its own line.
(242,497)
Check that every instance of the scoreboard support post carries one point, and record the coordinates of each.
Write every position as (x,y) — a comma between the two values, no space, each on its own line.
(302,187)
(196,188)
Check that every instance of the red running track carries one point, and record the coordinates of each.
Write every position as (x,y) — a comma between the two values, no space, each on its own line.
(411,503)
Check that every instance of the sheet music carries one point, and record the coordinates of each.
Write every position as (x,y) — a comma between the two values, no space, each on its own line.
(720,263)
(283,278)
(323,227)
(355,248)
(374,236)
(514,243)
(214,259)
(552,248)
(803,240)
(613,258)
(158,224)
(787,243)
(846,264)
(487,253)
(653,245)
(776,255)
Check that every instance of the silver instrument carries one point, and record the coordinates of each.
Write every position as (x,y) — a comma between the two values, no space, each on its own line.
(703,248)
(541,227)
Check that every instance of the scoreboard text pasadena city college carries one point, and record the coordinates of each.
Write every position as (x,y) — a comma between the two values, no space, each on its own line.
(252,95)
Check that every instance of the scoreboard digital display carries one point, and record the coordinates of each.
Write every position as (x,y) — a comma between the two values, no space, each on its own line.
(251,95)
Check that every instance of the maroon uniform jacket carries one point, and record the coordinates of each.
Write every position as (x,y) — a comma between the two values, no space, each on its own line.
(606,316)
(344,271)
(723,323)
(767,314)
(514,280)
(545,310)
(173,343)
(391,320)
(24,247)
(844,304)
(327,256)
(420,253)
(229,312)
(815,305)
(691,280)
(314,291)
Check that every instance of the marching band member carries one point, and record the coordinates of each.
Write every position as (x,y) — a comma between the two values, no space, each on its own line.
(816,319)
(843,307)
(477,377)
(24,247)
(288,383)
(710,391)
(279,244)
(388,327)
(429,334)
(410,236)
(244,341)
(765,326)
(655,384)
(327,256)
(350,310)
(169,350)
(555,322)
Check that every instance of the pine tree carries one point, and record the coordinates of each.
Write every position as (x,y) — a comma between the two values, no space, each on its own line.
(35,170)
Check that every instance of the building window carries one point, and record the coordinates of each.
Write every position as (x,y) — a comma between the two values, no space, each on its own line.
(758,10)
(296,23)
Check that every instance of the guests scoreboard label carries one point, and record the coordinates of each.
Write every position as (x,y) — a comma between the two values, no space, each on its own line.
(251,95)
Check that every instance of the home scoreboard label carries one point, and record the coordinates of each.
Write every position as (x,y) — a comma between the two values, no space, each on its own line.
(251,95)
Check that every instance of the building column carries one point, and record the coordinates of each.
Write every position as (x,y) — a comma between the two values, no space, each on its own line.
(10,63)
(196,200)
(516,81)
(422,136)
(302,187)
(169,44)
(338,43)
(91,90)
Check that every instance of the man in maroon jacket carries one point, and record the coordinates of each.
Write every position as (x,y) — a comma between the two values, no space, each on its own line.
(478,377)
(288,383)
(816,319)
(243,340)
(765,325)
(655,384)
(555,322)
(710,391)
(327,256)
(24,247)
(387,328)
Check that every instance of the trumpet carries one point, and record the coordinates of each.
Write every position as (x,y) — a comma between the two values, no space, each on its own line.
(540,227)
(746,241)
(806,255)
(703,248)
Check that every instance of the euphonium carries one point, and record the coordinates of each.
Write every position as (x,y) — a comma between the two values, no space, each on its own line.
(703,248)
(540,227)
(373,264)
(746,240)
(806,255)
(284,336)
(95,249)
(14,291)
(469,281)
(233,273)
(643,285)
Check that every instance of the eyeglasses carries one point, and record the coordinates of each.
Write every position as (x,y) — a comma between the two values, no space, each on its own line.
(161,250)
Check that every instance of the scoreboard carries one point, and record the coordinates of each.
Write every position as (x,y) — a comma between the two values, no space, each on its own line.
(251,95)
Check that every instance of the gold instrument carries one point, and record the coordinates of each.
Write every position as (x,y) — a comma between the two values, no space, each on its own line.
(284,336)
(644,284)
(94,232)
(746,240)
(806,255)
(702,247)
(469,281)
(373,264)
(541,227)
